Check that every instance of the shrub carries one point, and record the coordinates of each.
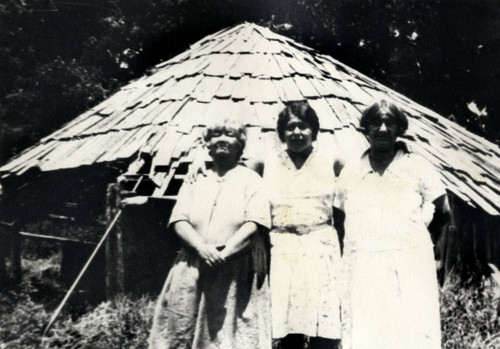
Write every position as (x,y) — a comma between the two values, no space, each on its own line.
(21,322)
(469,317)
(119,323)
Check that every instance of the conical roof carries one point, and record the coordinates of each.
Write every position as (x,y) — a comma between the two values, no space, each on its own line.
(250,72)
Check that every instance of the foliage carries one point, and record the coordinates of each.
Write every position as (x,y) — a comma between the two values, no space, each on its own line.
(469,316)
(120,323)
(21,321)
(57,59)
(123,322)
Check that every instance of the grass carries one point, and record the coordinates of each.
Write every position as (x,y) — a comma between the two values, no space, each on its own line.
(469,315)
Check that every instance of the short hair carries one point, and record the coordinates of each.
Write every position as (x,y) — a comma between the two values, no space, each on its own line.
(384,107)
(225,123)
(301,110)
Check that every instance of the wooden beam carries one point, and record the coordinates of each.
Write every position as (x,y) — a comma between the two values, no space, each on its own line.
(16,252)
(3,256)
(53,238)
(114,249)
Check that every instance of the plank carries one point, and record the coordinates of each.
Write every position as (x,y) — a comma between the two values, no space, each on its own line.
(188,115)
(330,67)
(261,46)
(291,90)
(138,117)
(206,89)
(167,111)
(220,64)
(268,114)
(106,124)
(241,89)
(325,114)
(356,93)
(335,89)
(73,123)
(284,65)
(81,126)
(254,148)
(165,148)
(267,90)
(306,87)
(339,111)
(268,68)
(29,157)
(226,88)
(182,88)
(85,154)
(475,197)
(250,43)
(52,160)
(136,141)
(298,66)
(245,64)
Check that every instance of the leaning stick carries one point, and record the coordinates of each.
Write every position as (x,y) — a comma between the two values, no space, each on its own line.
(85,267)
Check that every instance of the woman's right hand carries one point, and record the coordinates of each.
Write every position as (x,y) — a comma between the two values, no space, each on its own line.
(210,255)
(197,167)
(133,201)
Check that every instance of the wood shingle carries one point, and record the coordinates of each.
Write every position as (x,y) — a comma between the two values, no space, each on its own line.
(249,72)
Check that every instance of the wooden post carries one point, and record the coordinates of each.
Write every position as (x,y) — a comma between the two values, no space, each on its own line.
(114,249)
(15,250)
(451,243)
(3,255)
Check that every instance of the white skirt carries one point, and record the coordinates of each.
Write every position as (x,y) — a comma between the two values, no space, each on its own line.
(390,299)
(304,279)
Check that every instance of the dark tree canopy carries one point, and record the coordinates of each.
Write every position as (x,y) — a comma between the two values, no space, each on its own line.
(58,59)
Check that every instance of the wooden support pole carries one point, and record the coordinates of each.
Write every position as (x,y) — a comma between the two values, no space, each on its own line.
(16,256)
(115,281)
(15,250)
(3,256)
(87,264)
(451,243)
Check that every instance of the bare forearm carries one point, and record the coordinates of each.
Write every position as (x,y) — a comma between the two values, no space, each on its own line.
(188,234)
(240,240)
(192,238)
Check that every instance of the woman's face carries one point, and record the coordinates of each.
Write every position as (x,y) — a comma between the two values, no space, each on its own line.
(224,143)
(383,131)
(298,135)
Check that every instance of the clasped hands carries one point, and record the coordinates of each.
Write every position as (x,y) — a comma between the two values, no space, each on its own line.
(211,255)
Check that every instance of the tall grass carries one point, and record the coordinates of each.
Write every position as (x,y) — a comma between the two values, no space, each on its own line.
(469,315)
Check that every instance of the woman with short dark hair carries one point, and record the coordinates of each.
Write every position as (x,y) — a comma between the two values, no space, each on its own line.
(216,295)
(392,198)
(305,250)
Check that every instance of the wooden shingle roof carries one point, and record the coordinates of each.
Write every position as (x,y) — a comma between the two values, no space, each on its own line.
(250,72)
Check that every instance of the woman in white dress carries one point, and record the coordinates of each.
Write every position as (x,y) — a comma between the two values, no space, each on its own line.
(390,196)
(305,250)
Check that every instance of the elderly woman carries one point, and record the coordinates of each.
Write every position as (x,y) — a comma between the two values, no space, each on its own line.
(390,196)
(213,297)
(305,251)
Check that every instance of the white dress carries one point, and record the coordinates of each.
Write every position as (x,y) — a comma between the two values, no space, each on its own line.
(305,253)
(390,298)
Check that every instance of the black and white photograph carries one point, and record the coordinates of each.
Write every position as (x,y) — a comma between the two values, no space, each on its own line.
(294,174)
